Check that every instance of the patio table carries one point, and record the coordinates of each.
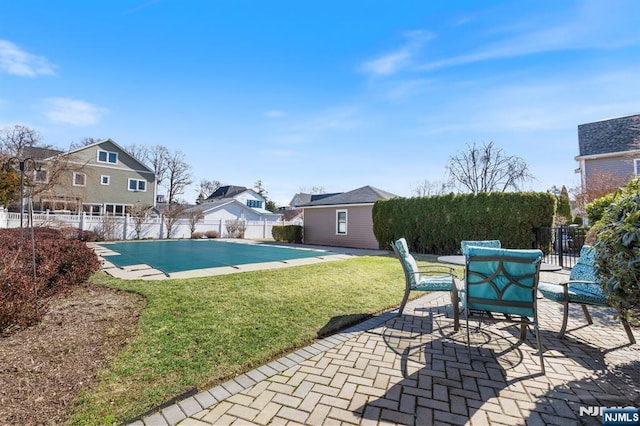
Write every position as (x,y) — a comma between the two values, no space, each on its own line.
(461,260)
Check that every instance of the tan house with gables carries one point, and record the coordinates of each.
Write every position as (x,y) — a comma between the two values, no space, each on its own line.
(98,178)
(344,219)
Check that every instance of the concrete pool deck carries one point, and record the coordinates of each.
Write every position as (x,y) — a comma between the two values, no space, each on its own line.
(143,271)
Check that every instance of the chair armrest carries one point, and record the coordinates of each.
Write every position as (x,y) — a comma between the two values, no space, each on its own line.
(442,269)
(566,283)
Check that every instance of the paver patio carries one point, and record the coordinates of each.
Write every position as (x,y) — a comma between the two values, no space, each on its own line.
(414,370)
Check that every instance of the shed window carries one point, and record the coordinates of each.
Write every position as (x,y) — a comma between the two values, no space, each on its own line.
(341,222)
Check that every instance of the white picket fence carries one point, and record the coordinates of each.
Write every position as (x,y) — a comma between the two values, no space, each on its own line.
(123,227)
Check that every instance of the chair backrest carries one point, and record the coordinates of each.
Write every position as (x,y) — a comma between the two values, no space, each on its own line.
(408,262)
(502,280)
(481,243)
(585,270)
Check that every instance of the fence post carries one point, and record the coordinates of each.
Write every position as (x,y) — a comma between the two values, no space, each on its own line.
(560,245)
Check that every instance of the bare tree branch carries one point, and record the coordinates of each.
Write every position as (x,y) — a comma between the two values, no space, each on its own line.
(487,169)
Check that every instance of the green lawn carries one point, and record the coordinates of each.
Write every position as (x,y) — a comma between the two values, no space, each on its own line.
(203,331)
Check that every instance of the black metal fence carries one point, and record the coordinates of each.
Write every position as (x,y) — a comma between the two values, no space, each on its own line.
(561,245)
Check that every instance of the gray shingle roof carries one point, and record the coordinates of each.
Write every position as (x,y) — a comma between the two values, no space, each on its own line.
(609,136)
(226,191)
(365,195)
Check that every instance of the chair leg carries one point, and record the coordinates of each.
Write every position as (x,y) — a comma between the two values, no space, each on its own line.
(468,336)
(523,329)
(539,348)
(565,319)
(627,328)
(404,302)
(455,301)
(586,314)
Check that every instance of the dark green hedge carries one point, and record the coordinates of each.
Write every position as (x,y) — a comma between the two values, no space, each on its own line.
(437,224)
(288,233)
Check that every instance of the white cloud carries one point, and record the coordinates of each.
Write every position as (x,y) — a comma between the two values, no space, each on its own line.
(72,111)
(393,62)
(595,25)
(15,61)
(274,113)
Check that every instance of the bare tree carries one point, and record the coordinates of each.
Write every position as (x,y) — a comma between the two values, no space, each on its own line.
(426,188)
(487,169)
(598,184)
(178,174)
(140,212)
(14,140)
(21,142)
(157,157)
(171,214)
(86,141)
(194,216)
(139,152)
(314,190)
(207,187)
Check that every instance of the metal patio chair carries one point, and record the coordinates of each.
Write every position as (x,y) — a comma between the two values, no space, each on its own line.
(428,278)
(464,244)
(503,281)
(582,288)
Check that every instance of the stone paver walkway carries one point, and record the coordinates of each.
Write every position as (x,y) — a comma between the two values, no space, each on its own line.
(414,370)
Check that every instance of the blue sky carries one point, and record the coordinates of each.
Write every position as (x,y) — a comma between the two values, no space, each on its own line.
(336,94)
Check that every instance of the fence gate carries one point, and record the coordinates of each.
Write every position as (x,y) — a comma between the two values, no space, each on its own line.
(561,245)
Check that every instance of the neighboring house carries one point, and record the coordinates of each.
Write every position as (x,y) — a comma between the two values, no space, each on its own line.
(234,203)
(343,219)
(302,198)
(96,179)
(610,147)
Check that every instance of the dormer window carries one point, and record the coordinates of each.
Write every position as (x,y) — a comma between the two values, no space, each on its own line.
(107,157)
(254,204)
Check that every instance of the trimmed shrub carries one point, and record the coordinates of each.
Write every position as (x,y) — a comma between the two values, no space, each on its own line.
(59,265)
(437,224)
(197,235)
(287,233)
(618,251)
(212,234)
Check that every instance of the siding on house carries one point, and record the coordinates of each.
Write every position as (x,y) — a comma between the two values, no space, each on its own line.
(609,147)
(622,166)
(320,227)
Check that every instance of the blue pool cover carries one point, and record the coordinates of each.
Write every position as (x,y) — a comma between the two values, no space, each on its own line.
(184,255)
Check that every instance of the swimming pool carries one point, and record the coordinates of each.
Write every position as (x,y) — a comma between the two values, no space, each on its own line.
(171,256)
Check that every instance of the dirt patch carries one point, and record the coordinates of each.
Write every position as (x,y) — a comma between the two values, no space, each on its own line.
(43,367)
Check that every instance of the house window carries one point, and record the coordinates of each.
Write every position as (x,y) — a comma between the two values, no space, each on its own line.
(41,176)
(105,179)
(107,157)
(137,185)
(341,222)
(115,209)
(79,179)
(254,203)
(636,166)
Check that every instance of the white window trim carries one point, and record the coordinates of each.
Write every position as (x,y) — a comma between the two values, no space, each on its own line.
(137,186)
(102,180)
(79,174)
(346,221)
(107,152)
(636,165)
